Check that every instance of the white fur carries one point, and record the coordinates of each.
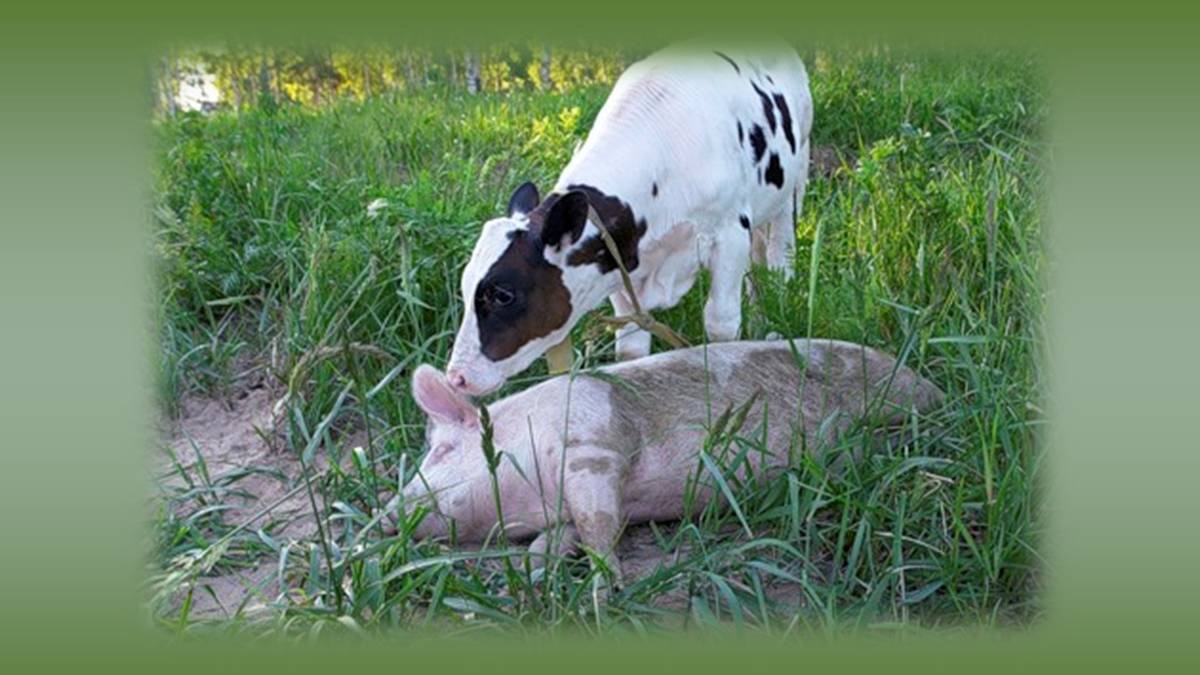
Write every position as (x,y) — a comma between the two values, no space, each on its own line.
(670,120)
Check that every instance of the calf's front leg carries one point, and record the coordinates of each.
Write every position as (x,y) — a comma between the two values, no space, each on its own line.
(592,492)
(632,341)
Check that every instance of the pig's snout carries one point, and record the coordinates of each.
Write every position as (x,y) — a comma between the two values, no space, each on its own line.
(414,495)
(419,499)
(440,505)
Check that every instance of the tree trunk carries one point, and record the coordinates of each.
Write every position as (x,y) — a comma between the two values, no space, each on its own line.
(410,71)
(474,73)
(547,82)
(168,86)
(331,82)
(264,80)
(235,80)
(275,77)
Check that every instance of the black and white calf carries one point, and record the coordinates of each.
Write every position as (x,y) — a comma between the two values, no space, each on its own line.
(697,158)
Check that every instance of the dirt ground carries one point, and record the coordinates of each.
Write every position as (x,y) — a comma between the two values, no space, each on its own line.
(231,434)
(825,161)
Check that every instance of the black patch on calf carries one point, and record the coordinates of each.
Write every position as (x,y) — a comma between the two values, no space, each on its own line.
(654,189)
(731,62)
(774,174)
(624,227)
(561,217)
(758,141)
(521,298)
(741,135)
(744,220)
(768,110)
(785,120)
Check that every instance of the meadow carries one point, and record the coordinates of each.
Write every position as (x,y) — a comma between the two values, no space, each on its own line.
(920,234)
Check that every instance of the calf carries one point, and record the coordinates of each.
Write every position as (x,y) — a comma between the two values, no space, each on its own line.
(594,452)
(697,159)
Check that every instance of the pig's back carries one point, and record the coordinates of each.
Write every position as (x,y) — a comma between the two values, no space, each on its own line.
(657,410)
(680,392)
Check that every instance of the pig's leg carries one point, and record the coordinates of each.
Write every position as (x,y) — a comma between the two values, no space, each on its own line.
(632,341)
(592,491)
(565,539)
(728,262)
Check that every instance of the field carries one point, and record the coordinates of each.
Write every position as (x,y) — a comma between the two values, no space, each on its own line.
(290,317)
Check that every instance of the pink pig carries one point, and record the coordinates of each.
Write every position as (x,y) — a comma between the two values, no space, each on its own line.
(598,452)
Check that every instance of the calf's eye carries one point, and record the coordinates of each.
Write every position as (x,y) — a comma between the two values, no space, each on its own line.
(501,296)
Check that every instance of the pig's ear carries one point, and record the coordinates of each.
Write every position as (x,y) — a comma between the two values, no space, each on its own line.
(524,199)
(439,400)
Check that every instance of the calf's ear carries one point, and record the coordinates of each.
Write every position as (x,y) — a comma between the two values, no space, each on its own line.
(564,222)
(523,200)
(439,400)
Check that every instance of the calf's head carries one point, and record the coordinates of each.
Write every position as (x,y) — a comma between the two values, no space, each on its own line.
(521,294)
(452,481)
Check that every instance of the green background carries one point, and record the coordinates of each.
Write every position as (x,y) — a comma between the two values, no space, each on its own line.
(76,417)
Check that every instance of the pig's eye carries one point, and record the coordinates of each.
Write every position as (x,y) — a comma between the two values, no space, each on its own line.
(439,452)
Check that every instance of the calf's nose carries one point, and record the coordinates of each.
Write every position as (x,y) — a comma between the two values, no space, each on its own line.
(457,379)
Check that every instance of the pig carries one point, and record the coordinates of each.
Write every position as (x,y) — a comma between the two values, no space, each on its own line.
(698,158)
(584,455)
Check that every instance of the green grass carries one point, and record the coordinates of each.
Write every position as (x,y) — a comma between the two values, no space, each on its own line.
(927,243)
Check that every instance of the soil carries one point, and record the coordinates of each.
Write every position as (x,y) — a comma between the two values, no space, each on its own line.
(231,435)
(825,161)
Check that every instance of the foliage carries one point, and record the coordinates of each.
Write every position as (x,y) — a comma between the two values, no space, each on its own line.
(255,76)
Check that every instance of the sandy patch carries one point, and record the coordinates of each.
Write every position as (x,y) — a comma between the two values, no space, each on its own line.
(262,485)
(230,435)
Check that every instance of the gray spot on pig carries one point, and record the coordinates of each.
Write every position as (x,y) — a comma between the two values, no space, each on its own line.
(846,382)
(840,378)
(675,390)
(599,524)
(591,464)
(621,433)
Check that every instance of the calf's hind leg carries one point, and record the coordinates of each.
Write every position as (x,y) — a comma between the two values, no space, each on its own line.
(781,230)
(781,244)
(728,261)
